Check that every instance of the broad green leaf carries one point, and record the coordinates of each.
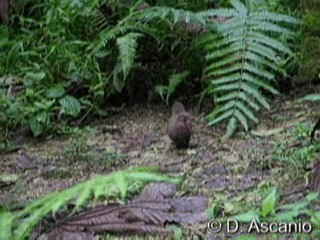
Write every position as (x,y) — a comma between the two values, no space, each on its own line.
(287,216)
(36,76)
(161,90)
(35,126)
(174,81)
(247,217)
(122,184)
(102,53)
(268,204)
(70,105)
(312,196)
(127,51)
(6,225)
(310,97)
(55,92)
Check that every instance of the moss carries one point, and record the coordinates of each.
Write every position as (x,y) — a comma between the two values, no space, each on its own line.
(312,21)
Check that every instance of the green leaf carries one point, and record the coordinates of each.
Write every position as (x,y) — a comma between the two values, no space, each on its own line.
(85,194)
(102,53)
(174,81)
(70,105)
(6,224)
(56,92)
(36,76)
(312,196)
(42,117)
(122,184)
(287,216)
(310,97)
(231,127)
(247,217)
(127,51)
(161,90)
(268,203)
(35,126)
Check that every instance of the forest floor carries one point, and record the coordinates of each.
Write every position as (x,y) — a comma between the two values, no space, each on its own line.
(233,174)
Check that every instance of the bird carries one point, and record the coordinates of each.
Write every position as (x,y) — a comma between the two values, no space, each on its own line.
(179,127)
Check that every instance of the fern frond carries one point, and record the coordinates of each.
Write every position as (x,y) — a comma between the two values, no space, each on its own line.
(242,119)
(239,7)
(224,116)
(223,12)
(231,127)
(106,36)
(173,15)
(233,77)
(274,17)
(19,224)
(127,51)
(242,56)
(313,97)
(246,111)
(269,42)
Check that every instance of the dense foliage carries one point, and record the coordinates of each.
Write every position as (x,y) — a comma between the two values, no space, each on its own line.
(61,60)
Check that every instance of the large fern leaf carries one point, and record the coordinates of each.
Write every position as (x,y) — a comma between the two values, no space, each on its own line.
(128,29)
(18,224)
(242,56)
(127,51)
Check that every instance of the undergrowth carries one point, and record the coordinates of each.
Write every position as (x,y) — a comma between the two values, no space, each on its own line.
(296,149)
(60,61)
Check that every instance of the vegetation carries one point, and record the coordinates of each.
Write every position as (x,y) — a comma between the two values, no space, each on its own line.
(270,212)
(65,64)
(17,225)
(63,59)
(299,157)
(242,55)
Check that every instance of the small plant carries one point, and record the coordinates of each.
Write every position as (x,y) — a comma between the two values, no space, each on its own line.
(174,80)
(77,149)
(297,156)
(269,211)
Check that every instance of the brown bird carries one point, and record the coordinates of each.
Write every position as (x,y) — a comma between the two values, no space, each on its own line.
(179,127)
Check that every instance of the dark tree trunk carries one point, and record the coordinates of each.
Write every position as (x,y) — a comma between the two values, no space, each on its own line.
(4,10)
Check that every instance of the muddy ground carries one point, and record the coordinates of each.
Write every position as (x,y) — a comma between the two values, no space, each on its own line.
(224,171)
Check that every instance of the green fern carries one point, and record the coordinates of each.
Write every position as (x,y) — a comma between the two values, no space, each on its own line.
(127,51)
(313,97)
(172,15)
(134,25)
(174,81)
(17,225)
(242,56)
